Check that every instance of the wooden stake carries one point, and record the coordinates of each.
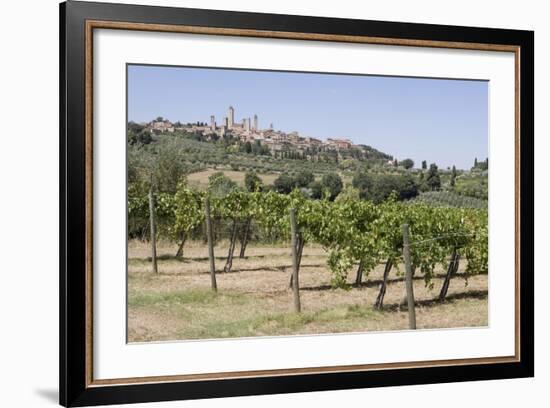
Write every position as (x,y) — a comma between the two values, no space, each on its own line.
(300,249)
(295,282)
(210,239)
(408,277)
(153,230)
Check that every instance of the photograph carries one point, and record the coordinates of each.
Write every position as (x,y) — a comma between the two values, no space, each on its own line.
(279,203)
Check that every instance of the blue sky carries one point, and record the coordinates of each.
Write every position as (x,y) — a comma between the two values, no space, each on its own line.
(437,120)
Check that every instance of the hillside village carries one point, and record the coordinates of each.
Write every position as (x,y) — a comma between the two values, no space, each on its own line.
(248,130)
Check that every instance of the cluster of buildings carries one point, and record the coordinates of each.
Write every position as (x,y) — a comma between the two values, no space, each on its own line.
(161,126)
(248,130)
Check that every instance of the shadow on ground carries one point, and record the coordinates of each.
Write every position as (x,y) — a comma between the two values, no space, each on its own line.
(427,303)
(51,395)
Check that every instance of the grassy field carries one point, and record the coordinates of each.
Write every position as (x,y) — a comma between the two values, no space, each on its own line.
(200,179)
(254,298)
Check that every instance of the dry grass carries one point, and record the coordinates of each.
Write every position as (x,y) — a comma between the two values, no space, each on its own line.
(254,299)
(200,179)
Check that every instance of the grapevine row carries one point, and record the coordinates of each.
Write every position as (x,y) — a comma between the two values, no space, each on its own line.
(355,233)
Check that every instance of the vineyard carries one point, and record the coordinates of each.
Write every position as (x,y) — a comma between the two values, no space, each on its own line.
(342,247)
(449,199)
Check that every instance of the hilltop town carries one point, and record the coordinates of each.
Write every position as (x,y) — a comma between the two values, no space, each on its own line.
(248,130)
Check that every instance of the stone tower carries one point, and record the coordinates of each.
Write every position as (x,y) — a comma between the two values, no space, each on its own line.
(212,122)
(231,117)
(255,122)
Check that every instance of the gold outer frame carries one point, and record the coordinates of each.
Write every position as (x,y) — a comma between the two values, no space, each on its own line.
(117,25)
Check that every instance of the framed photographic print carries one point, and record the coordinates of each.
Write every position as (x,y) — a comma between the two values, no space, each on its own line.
(255,203)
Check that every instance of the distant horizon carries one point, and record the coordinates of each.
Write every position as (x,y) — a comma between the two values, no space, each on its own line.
(442,121)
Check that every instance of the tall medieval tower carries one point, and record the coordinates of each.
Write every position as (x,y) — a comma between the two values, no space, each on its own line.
(231,117)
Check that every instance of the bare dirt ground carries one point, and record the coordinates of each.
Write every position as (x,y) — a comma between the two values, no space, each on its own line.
(254,299)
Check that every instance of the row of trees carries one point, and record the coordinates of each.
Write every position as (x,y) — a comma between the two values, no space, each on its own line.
(373,186)
(481,165)
(330,184)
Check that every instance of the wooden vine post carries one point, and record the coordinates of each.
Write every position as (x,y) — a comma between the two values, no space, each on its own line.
(299,250)
(293,244)
(210,240)
(408,277)
(153,228)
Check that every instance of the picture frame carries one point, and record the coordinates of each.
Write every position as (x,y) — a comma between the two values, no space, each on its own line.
(79,21)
